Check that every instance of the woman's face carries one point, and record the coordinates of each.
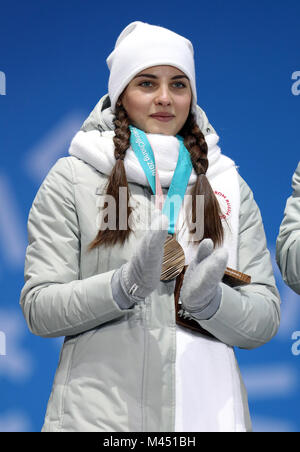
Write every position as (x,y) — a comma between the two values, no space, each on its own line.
(158,100)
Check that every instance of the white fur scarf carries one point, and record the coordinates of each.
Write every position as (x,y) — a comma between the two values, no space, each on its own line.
(97,149)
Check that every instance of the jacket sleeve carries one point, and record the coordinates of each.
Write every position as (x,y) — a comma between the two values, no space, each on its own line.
(288,241)
(249,315)
(54,300)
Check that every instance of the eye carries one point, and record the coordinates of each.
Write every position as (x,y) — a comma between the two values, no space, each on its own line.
(179,84)
(146,84)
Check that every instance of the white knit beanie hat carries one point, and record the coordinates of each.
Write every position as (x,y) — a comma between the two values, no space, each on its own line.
(141,45)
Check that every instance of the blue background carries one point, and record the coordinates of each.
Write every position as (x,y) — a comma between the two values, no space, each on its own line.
(53,56)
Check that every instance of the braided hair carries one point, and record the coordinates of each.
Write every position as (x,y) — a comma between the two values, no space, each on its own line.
(116,180)
(196,145)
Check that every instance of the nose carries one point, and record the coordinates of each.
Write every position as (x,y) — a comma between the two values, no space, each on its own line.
(163,96)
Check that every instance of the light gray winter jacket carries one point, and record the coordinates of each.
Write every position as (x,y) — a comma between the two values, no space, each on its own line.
(288,241)
(116,370)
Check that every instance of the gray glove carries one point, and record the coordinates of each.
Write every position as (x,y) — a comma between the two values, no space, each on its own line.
(201,292)
(136,279)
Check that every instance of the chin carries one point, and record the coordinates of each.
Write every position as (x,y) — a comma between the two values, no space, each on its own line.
(160,131)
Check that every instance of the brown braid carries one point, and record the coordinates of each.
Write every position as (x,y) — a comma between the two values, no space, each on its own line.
(195,143)
(116,180)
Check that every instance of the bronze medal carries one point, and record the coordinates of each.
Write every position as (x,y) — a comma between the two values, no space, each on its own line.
(173,259)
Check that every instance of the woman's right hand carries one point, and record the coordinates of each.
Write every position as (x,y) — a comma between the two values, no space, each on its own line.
(136,279)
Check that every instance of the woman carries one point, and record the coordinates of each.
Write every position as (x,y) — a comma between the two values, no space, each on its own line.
(125,364)
(288,241)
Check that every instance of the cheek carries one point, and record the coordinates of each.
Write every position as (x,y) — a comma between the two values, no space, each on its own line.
(187,104)
(183,110)
(135,106)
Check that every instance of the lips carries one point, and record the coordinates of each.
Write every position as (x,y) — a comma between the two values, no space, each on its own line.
(162,116)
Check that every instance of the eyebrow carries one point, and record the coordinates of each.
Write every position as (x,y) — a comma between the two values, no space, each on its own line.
(154,76)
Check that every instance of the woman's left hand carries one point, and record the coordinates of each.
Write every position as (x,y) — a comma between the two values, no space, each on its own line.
(201,284)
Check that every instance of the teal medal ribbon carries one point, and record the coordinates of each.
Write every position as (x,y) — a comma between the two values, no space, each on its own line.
(142,149)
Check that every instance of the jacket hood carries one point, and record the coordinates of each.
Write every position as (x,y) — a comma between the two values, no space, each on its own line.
(101,118)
